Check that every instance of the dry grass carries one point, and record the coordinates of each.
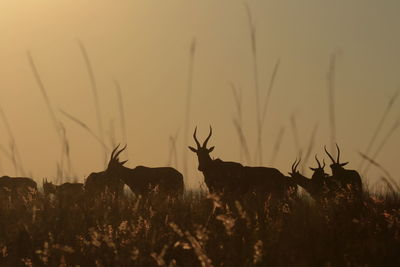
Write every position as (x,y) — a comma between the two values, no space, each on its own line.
(199,231)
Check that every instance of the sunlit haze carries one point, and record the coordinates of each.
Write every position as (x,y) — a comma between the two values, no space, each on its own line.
(145,46)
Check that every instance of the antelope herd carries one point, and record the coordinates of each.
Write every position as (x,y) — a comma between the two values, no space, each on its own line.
(226,178)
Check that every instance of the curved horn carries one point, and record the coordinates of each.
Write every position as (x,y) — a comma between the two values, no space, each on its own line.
(208,138)
(338,153)
(319,163)
(295,165)
(195,138)
(323,161)
(112,153)
(330,156)
(119,152)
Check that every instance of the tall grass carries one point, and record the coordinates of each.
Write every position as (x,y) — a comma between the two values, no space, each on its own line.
(261,108)
(296,137)
(382,144)
(57,125)
(85,127)
(199,230)
(93,85)
(238,123)
(393,182)
(379,127)
(15,154)
(277,145)
(122,115)
(310,147)
(331,100)
(192,53)
(253,42)
(173,152)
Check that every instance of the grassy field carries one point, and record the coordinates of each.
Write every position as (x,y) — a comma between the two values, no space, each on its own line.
(199,230)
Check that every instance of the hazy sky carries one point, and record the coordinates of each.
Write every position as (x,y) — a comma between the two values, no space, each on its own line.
(144,44)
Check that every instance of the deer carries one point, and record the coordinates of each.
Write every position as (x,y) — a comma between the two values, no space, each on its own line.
(225,177)
(144,181)
(348,180)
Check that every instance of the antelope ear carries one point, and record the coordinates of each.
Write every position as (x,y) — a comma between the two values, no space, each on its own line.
(193,149)
(343,164)
(123,162)
(313,169)
(211,149)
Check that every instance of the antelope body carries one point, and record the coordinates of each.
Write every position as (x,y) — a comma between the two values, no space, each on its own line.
(65,189)
(234,178)
(17,183)
(145,180)
(16,187)
(98,183)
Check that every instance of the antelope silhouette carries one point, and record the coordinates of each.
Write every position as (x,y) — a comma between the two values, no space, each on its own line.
(98,183)
(17,182)
(234,178)
(348,180)
(145,180)
(66,193)
(65,189)
(319,186)
(17,186)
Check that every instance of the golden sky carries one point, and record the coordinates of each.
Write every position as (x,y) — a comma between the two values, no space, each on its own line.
(144,44)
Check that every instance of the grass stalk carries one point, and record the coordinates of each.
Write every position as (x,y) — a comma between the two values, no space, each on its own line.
(269,91)
(380,167)
(237,97)
(58,127)
(122,114)
(46,98)
(331,100)
(277,145)
(94,91)
(253,41)
(192,53)
(86,128)
(310,147)
(392,130)
(379,127)
(293,124)
(173,153)
(17,160)
(242,139)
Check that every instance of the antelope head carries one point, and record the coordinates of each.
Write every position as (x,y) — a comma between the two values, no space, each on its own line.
(295,172)
(115,164)
(203,153)
(319,171)
(336,165)
(48,187)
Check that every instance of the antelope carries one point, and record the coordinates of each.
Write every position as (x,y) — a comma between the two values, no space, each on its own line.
(234,178)
(349,180)
(98,183)
(17,186)
(65,190)
(319,186)
(17,183)
(143,180)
